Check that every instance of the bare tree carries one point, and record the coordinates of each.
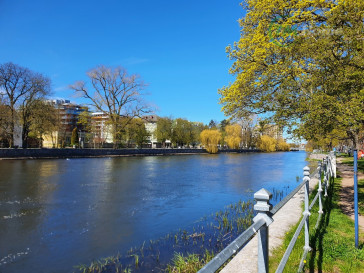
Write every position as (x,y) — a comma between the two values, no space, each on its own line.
(21,87)
(116,94)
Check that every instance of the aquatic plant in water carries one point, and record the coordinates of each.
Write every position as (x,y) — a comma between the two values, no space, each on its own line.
(194,245)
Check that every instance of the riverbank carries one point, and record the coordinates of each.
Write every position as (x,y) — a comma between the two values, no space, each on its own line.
(332,243)
(247,259)
(80,153)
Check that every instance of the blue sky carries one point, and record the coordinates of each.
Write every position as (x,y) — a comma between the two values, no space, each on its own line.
(177,47)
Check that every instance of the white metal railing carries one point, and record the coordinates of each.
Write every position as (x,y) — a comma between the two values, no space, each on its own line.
(326,170)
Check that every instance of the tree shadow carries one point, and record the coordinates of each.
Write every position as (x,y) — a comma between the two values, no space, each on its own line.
(316,241)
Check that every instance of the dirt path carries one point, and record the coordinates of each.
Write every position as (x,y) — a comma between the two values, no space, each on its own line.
(347,192)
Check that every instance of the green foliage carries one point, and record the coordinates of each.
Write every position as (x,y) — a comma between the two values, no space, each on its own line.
(5,124)
(300,62)
(84,121)
(189,263)
(182,132)
(223,124)
(43,119)
(74,136)
(164,129)
(267,143)
(210,139)
(212,124)
(137,132)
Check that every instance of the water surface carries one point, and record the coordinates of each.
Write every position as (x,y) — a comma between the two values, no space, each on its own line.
(55,214)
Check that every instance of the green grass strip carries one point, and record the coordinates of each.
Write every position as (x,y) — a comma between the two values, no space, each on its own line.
(333,242)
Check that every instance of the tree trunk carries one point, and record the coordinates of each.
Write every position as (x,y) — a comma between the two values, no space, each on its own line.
(354,136)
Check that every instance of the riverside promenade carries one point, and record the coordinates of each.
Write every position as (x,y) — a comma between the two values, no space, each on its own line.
(287,216)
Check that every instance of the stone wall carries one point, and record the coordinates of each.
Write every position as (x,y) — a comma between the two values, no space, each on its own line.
(68,153)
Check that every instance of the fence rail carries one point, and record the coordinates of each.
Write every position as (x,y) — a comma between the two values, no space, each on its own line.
(325,170)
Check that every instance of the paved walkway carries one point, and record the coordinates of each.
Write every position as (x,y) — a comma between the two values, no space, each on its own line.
(288,215)
(347,190)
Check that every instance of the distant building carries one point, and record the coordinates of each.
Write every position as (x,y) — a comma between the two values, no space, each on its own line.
(68,114)
(151,127)
(271,130)
(102,129)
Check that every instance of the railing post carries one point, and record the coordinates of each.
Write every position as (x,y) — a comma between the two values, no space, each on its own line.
(325,176)
(306,178)
(320,189)
(328,168)
(333,163)
(263,208)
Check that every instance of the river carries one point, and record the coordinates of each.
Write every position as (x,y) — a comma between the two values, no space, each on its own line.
(58,213)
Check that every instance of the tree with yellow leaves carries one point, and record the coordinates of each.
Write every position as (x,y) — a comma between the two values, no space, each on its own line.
(233,136)
(281,145)
(267,144)
(301,62)
(210,139)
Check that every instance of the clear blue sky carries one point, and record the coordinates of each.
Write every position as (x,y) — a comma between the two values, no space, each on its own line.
(177,47)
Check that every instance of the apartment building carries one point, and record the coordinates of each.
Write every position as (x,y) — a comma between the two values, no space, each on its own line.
(68,114)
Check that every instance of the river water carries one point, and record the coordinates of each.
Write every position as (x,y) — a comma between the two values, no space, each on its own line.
(58,213)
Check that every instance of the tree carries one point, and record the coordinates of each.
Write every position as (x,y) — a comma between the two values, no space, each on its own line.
(210,139)
(182,133)
(74,136)
(212,124)
(22,87)
(115,93)
(5,123)
(43,120)
(223,124)
(84,121)
(197,128)
(137,132)
(267,143)
(281,145)
(248,125)
(164,130)
(233,136)
(297,59)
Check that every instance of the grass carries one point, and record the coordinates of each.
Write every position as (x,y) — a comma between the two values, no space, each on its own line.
(361,196)
(333,242)
(350,161)
(189,263)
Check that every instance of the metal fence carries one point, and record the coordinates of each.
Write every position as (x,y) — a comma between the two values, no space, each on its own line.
(325,171)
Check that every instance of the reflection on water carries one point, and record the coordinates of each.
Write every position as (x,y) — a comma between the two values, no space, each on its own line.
(55,214)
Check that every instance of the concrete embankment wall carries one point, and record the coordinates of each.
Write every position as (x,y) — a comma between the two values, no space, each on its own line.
(68,153)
